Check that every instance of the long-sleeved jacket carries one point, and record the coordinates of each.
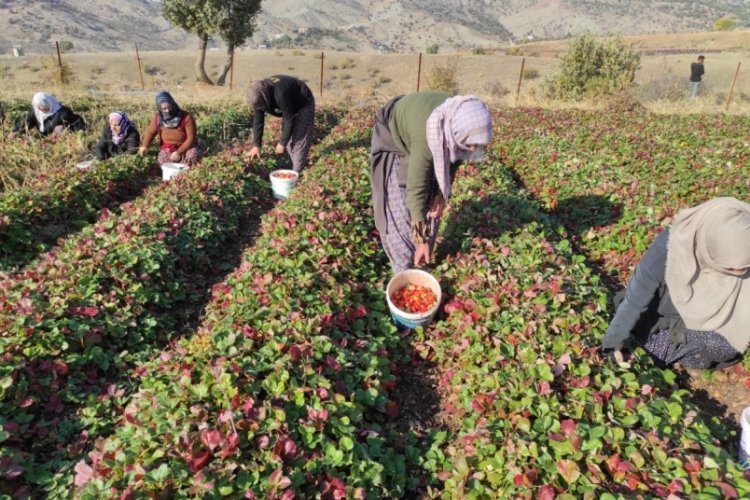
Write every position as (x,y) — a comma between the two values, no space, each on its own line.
(179,139)
(646,306)
(408,126)
(105,148)
(289,95)
(64,116)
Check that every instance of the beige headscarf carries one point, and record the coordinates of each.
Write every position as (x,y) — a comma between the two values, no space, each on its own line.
(704,242)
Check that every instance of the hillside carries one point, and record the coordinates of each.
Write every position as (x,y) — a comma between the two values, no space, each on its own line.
(358,25)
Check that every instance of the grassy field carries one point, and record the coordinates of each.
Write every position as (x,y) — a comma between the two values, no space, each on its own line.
(354,77)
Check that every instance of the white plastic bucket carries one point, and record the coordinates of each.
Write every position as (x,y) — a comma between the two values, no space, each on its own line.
(282,182)
(84,165)
(169,170)
(745,438)
(412,277)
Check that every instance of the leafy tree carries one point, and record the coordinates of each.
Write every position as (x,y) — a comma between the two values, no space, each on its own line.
(199,17)
(594,67)
(232,20)
(237,24)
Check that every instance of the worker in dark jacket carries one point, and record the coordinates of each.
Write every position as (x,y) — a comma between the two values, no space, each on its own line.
(119,136)
(418,142)
(292,100)
(49,117)
(687,301)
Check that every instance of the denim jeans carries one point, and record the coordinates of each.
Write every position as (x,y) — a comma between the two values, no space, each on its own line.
(694,88)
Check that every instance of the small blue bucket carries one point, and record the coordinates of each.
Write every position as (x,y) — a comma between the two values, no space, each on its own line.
(412,277)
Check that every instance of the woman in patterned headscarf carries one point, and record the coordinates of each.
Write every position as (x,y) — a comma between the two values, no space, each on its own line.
(688,299)
(178,138)
(418,142)
(49,117)
(118,136)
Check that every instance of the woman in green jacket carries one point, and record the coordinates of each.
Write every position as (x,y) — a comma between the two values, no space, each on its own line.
(418,142)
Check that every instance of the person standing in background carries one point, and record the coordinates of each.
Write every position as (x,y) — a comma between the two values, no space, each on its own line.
(696,75)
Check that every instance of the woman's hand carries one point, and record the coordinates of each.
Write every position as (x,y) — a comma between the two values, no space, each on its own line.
(253,153)
(421,254)
(437,207)
(142,150)
(175,156)
(279,149)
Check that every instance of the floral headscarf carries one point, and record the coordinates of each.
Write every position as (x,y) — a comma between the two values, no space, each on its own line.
(121,119)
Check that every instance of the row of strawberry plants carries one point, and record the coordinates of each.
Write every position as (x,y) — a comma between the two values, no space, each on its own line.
(284,389)
(534,412)
(75,324)
(614,180)
(32,218)
(63,199)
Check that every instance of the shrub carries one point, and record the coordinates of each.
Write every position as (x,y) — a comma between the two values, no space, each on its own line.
(443,77)
(479,51)
(593,68)
(55,73)
(724,24)
(530,73)
(497,90)
(433,49)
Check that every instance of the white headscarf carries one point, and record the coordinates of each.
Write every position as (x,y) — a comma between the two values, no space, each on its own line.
(42,99)
(704,243)
(459,122)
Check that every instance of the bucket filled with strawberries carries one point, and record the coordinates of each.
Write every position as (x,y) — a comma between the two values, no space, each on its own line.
(413,297)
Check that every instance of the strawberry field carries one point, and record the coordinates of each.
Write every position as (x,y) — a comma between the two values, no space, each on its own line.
(196,338)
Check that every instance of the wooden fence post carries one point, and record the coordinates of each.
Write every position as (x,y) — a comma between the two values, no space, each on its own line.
(520,78)
(140,69)
(419,70)
(322,57)
(731,92)
(59,63)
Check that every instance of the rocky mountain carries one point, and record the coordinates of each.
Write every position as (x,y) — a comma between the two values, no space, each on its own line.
(358,25)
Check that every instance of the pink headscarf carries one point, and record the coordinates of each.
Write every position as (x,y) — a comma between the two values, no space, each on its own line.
(119,118)
(459,122)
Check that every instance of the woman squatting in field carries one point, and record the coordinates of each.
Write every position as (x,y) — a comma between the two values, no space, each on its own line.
(688,301)
(178,137)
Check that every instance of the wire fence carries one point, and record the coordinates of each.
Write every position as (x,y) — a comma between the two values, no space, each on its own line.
(509,73)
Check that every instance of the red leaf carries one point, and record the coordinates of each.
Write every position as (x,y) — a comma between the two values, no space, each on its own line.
(391,409)
(197,462)
(727,490)
(568,427)
(278,481)
(546,492)
(211,439)
(84,473)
